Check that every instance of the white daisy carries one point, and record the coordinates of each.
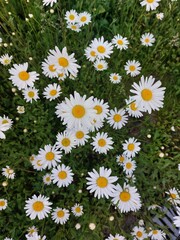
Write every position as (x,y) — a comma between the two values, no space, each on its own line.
(116,237)
(133,68)
(100,65)
(32,230)
(5,59)
(102,48)
(96,125)
(3,128)
(48,69)
(148,94)
(81,136)
(174,196)
(132,108)
(3,204)
(8,172)
(66,141)
(76,111)
(101,108)
(84,18)
(37,206)
(129,166)
(38,164)
(176,219)
(21,78)
(131,147)
(90,54)
(61,76)
(52,91)
(20,109)
(74,27)
(62,176)
(47,179)
(126,198)
(71,16)
(115,78)
(30,93)
(49,2)
(60,215)
(120,42)
(147,39)
(77,210)
(139,233)
(101,183)
(120,159)
(102,143)
(150,4)
(5,122)
(117,118)
(64,62)
(160,16)
(157,235)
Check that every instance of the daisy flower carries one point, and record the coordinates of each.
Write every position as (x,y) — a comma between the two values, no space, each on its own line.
(35,236)
(132,108)
(139,233)
(5,59)
(126,199)
(174,196)
(81,136)
(133,68)
(101,183)
(71,16)
(147,39)
(20,109)
(101,108)
(148,94)
(129,166)
(115,78)
(8,172)
(61,76)
(3,128)
(100,65)
(131,147)
(31,231)
(3,204)
(37,206)
(160,16)
(47,179)
(66,141)
(96,125)
(120,42)
(150,4)
(77,210)
(21,78)
(6,122)
(52,91)
(38,164)
(102,48)
(62,176)
(116,237)
(30,93)
(74,27)
(117,118)
(60,215)
(157,235)
(90,54)
(102,143)
(84,18)
(49,2)
(48,69)
(64,62)
(176,219)
(76,111)
(120,159)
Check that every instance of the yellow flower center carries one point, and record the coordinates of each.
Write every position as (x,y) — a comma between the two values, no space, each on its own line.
(146,94)
(31,94)
(98,108)
(53,92)
(78,111)
(31,158)
(132,68)
(62,175)
(124,196)
(79,134)
(155,231)
(100,66)
(2,203)
(83,19)
(4,121)
(7,61)
(65,142)
(121,159)
(150,1)
(71,17)
(48,179)
(173,195)
(101,49)
(115,78)
(117,118)
(52,68)
(147,40)
(131,146)
(38,206)
(24,76)
(128,165)
(63,62)
(50,156)
(73,27)
(139,234)
(61,74)
(120,42)
(78,209)
(102,182)
(101,142)
(133,106)
(93,53)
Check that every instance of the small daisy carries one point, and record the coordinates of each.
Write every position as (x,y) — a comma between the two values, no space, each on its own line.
(71,16)
(52,91)
(159,16)
(100,65)
(62,176)
(37,206)
(48,69)
(21,78)
(81,136)
(176,219)
(174,196)
(101,108)
(96,125)
(3,204)
(47,179)
(120,42)
(150,4)
(8,172)
(49,2)
(6,122)
(103,48)
(84,18)
(30,94)
(126,198)
(116,237)
(115,78)
(129,166)
(32,230)
(139,233)
(77,210)
(148,94)
(117,118)
(5,59)
(61,76)
(20,109)
(101,183)
(74,27)
(60,215)
(131,147)
(66,141)
(157,235)
(102,143)
(132,108)
(133,68)
(120,159)
(90,54)
(38,164)
(147,39)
